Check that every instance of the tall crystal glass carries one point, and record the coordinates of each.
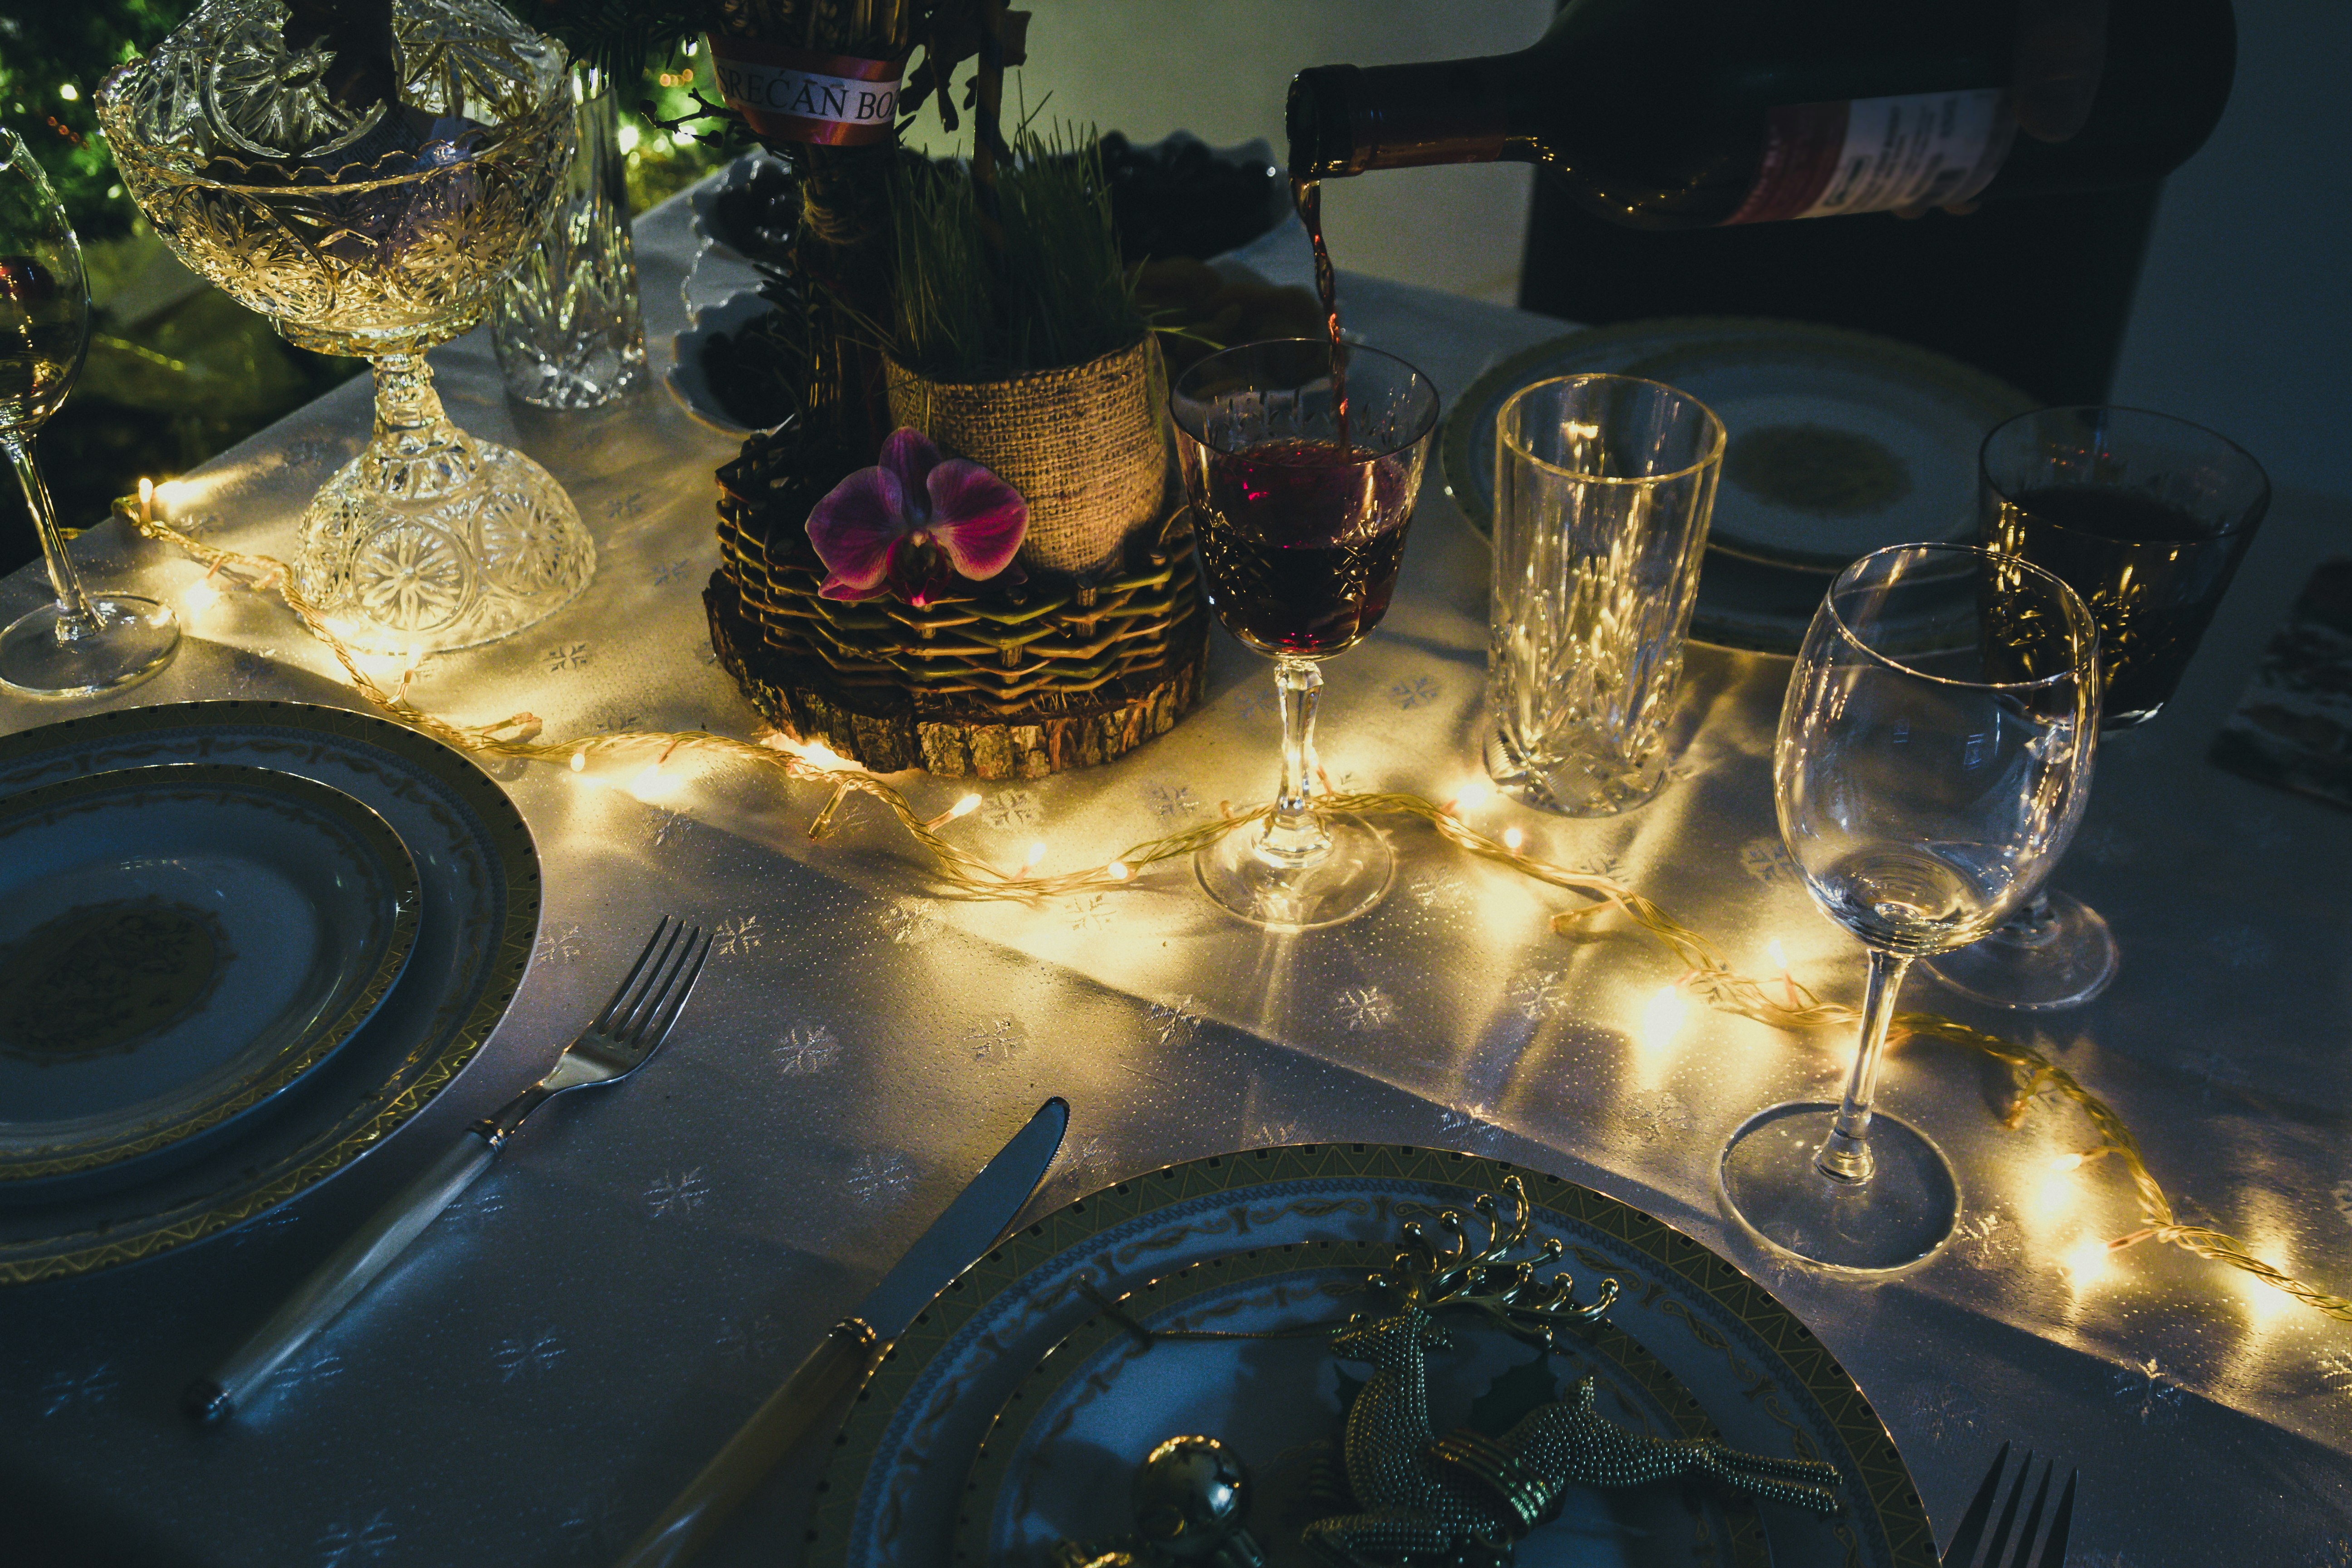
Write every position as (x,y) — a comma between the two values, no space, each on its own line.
(84,642)
(1301,460)
(2146,517)
(1934,756)
(567,327)
(1603,486)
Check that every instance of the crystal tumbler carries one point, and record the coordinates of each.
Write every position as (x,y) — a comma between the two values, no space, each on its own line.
(566,326)
(1602,489)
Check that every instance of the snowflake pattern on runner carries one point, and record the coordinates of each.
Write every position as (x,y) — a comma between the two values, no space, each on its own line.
(587,1530)
(671,827)
(348,1541)
(2145,1390)
(680,1194)
(2241,947)
(1946,1413)
(534,1355)
(1539,994)
(2342,1193)
(614,719)
(2211,1070)
(1365,1007)
(1009,810)
(1274,1134)
(1088,911)
(65,1390)
(304,452)
(750,1341)
(311,1370)
(1169,802)
(996,1038)
(1436,889)
(1988,1240)
(569,656)
(1465,1127)
(2335,1371)
(1418,692)
(736,936)
(1769,861)
(673,571)
(1083,1162)
(479,1206)
(621,509)
(1176,1023)
(1653,1115)
(911,925)
(879,1174)
(1609,866)
(806,1051)
(560,946)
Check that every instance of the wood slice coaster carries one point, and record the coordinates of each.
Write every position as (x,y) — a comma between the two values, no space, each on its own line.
(886,728)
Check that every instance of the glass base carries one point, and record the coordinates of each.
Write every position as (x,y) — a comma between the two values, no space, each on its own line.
(1902,1214)
(2061,959)
(1574,783)
(137,638)
(1348,879)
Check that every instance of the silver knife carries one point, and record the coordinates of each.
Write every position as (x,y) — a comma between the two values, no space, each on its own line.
(971,1223)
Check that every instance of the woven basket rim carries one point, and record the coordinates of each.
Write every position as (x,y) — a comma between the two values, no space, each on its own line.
(1027,375)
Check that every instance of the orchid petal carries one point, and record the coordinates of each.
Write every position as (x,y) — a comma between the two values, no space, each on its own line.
(833,587)
(909,455)
(854,526)
(977,519)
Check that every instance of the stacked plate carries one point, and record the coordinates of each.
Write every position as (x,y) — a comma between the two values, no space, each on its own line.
(1011,1416)
(239,944)
(1840,443)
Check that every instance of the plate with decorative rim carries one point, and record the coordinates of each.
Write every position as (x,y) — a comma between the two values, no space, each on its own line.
(914,1473)
(478,898)
(1840,442)
(177,945)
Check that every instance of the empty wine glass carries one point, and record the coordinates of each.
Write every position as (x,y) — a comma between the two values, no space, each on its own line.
(1301,459)
(84,642)
(1934,756)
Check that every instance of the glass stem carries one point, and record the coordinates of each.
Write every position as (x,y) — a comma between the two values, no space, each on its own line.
(76,616)
(417,453)
(1845,1156)
(1294,836)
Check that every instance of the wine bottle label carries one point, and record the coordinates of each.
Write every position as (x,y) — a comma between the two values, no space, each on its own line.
(794,95)
(1876,155)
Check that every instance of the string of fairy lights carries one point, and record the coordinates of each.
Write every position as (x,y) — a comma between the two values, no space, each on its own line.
(1782,1002)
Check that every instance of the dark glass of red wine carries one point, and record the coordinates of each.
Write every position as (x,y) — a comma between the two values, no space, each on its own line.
(1300,539)
(2146,517)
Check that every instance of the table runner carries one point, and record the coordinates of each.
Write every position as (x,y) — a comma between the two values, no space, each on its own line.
(566,1347)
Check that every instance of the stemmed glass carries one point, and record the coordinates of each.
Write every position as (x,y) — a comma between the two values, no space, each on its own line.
(84,642)
(1934,756)
(2146,517)
(1301,458)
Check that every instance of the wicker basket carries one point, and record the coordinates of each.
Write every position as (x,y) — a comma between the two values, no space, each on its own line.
(1002,682)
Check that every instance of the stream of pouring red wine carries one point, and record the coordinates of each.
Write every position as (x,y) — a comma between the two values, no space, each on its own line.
(1307,195)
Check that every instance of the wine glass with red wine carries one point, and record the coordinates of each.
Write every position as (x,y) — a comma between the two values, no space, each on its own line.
(2147,518)
(1301,458)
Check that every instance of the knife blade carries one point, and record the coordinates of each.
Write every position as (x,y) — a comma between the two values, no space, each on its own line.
(849,1351)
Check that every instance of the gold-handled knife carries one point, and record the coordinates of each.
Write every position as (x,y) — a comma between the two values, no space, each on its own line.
(971,1223)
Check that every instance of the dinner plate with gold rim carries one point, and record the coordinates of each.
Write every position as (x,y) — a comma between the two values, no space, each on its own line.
(177,945)
(478,901)
(915,1473)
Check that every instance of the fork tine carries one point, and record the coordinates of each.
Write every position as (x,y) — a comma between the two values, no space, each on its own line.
(2053,1550)
(2033,1518)
(666,1012)
(640,1022)
(1966,1540)
(604,1018)
(649,993)
(2008,1513)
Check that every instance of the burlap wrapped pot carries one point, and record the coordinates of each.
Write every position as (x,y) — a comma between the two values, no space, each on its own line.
(1082,445)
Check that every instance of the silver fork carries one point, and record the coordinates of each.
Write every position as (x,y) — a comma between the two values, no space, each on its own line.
(1962,1553)
(632,1027)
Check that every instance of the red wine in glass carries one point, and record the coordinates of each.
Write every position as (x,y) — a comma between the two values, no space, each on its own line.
(1300,543)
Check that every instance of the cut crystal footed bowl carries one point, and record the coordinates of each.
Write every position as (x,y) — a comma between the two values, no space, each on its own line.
(377,231)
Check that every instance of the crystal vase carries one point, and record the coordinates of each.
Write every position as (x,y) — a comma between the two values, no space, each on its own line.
(377,232)
(567,327)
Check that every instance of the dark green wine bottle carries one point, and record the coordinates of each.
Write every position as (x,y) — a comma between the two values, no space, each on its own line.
(1695,113)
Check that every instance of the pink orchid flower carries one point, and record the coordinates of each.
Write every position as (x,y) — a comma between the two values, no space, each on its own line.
(901,523)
